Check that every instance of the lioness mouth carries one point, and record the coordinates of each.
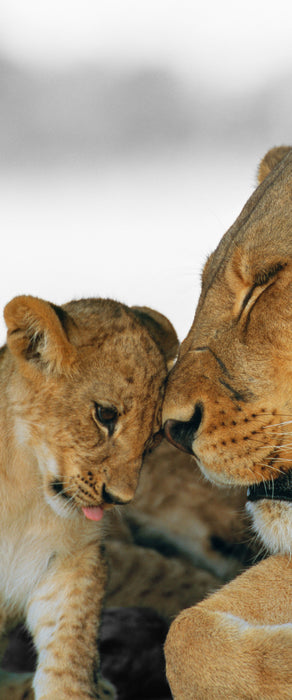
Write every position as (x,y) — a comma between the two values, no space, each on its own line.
(279,489)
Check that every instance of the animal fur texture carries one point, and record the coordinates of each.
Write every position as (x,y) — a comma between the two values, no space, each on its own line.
(81,389)
(179,540)
(229,403)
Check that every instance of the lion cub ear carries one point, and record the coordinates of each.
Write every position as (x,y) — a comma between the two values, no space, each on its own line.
(271,159)
(161,330)
(36,334)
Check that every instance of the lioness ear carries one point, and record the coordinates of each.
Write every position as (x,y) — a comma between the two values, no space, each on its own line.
(271,159)
(161,330)
(36,334)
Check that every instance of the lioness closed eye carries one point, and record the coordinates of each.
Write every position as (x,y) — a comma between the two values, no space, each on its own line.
(229,403)
(80,399)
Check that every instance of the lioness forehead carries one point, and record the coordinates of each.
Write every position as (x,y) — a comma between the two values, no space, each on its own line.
(261,233)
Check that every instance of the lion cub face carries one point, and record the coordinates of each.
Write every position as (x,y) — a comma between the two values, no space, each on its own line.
(86,383)
(229,397)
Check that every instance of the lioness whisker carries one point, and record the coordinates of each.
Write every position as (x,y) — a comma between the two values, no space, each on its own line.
(282,459)
(270,466)
(281,434)
(277,425)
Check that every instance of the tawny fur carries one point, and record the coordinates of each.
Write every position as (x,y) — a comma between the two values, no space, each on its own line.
(60,455)
(235,367)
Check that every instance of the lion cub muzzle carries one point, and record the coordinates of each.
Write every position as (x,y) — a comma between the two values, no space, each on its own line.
(91,493)
(108,496)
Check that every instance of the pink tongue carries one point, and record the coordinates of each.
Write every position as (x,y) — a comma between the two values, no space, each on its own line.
(93,513)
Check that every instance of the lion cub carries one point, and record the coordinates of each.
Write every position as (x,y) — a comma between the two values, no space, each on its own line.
(80,399)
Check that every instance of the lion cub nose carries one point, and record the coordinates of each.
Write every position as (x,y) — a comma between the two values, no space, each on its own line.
(183,433)
(115,499)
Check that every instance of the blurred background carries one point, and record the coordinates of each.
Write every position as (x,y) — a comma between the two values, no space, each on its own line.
(130,135)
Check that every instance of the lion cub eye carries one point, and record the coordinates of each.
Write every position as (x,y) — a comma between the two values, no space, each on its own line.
(107,416)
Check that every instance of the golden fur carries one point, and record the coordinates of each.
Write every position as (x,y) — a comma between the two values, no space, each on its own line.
(80,400)
(229,403)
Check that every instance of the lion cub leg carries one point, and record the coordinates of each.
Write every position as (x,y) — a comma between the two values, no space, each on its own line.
(63,616)
(237,644)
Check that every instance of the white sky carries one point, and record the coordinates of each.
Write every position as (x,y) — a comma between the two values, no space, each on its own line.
(236,43)
(137,231)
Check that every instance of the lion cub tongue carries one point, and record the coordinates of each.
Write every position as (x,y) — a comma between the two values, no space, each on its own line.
(93,512)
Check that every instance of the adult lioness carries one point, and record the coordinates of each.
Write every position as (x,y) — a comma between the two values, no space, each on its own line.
(80,399)
(229,402)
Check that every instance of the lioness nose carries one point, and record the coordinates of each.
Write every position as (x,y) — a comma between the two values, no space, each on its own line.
(110,497)
(182,433)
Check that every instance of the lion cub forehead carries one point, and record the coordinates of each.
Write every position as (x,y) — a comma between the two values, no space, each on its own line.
(97,320)
(87,312)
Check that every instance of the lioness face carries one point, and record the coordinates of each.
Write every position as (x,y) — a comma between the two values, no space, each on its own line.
(87,391)
(229,397)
